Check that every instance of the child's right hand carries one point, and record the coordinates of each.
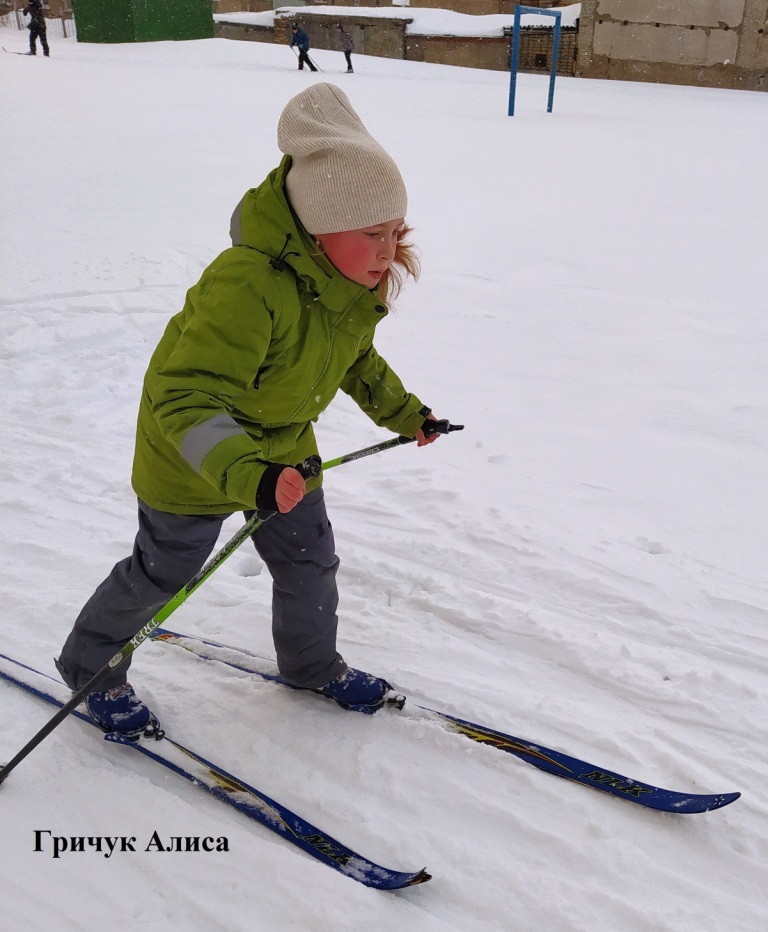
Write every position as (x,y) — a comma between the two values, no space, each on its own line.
(289,490)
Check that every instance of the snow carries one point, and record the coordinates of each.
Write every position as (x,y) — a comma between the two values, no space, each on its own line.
(583,566)
(426,22)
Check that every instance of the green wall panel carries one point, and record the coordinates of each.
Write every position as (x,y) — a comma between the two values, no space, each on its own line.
(142,20)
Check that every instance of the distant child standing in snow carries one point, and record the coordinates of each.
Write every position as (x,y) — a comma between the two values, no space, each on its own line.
(275,327)
(37,27)
(347,43)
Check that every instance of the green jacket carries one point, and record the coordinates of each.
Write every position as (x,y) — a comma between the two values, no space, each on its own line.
(258,352)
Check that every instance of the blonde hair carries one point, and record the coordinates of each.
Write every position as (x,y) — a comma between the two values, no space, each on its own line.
(405,265)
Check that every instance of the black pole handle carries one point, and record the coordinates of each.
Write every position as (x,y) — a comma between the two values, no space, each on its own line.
(430,428)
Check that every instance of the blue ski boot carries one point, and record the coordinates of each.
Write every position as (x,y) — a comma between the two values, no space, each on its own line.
(361,692)
(120,709)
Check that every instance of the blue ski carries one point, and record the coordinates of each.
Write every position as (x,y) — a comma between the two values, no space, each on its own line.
(229,789)
(555,762)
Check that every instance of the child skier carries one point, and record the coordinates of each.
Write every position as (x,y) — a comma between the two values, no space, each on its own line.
(347,44)
(276,325)
(300,39)
(37,27)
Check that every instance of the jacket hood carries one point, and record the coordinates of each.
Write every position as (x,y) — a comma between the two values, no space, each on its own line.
(263,217)
(264,220)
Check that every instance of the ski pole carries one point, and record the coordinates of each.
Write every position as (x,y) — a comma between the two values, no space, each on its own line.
(309,468)
(314,63)
(430,428)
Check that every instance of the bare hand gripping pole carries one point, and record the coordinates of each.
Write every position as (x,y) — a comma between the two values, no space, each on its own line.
(309,468)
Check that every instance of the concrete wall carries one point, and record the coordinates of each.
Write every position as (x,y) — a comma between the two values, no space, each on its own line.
(712,43)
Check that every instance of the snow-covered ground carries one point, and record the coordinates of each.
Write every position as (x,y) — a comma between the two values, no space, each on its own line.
(583,566)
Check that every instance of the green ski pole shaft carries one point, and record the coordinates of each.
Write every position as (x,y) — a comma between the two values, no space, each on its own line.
(431,427)
(368,451)
(309,468)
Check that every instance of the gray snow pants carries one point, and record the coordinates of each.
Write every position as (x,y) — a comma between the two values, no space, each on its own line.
(298,550)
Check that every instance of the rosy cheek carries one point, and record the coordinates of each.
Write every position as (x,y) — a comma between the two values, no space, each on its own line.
(361,255)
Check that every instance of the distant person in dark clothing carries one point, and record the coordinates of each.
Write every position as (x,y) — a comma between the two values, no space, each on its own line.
(347,44)
(300,39)
(34,9)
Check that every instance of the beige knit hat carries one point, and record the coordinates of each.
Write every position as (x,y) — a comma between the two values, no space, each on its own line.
(340,178)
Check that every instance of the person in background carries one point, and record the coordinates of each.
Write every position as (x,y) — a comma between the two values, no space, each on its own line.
(347,44)
(300,39)
(36,26)
(276,326)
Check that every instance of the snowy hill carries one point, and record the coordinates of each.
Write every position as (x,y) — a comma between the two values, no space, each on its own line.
(583,566)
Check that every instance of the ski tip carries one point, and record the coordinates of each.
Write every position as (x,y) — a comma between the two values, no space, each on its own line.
(395,880)
(382,879)
(724,800)
(684,805)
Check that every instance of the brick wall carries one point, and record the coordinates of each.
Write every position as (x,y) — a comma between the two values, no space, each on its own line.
(241,6)
(464,51)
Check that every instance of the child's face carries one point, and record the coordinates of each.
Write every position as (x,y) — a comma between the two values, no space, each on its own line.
(363,255)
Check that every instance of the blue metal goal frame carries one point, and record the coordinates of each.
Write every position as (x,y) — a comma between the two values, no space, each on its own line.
(516,54)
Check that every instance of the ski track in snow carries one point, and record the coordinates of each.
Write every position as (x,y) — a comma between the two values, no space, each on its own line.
(583,566)
(496,598)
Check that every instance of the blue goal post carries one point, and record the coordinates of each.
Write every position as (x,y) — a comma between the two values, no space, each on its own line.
(516,54)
